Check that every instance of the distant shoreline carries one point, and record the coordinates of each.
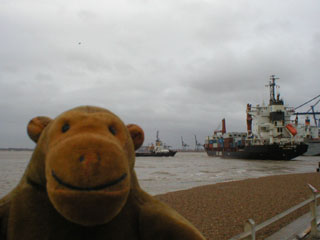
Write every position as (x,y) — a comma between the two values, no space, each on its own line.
(16,149)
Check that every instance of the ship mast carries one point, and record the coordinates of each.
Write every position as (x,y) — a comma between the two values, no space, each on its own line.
(158,142)
(272,85)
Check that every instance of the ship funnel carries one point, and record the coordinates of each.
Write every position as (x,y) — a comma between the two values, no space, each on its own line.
(223,131)
(307,121)
(249,120)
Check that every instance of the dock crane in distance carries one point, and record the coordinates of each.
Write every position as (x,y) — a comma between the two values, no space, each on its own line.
(184,145)
(197,144)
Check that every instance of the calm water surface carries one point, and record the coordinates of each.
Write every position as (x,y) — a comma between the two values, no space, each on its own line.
(165,174)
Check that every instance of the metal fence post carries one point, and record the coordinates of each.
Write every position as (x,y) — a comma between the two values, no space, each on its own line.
(250,226)
(313,207)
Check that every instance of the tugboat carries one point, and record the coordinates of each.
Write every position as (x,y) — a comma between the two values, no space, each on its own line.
(270,134)
(157,150)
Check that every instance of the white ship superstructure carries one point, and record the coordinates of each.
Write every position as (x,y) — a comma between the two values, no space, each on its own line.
(307,130)
(271,123)
(311,136)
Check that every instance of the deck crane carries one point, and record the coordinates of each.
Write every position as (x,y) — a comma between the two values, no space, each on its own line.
(310,110)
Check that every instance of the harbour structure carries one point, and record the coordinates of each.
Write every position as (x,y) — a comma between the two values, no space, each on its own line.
(270,133)
(184,145)
(197,146)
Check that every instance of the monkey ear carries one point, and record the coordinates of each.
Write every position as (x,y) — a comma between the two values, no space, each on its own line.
(36,126)
(137,135)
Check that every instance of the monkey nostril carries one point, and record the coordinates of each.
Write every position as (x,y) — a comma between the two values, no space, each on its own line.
(81,158)
(90,157)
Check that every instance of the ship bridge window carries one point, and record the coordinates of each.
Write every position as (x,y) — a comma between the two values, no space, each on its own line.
(277,116)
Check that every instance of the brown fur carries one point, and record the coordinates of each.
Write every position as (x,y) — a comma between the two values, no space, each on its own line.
(81,184)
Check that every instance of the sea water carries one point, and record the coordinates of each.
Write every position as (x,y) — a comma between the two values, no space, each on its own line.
(166,174)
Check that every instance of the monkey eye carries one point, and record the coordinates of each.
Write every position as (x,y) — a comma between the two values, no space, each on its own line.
(112,130)
(65,127)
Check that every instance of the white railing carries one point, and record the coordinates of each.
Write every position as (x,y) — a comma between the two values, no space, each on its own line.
(250,228)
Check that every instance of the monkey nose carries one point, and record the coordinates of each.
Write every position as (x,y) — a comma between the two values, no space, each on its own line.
(90,157)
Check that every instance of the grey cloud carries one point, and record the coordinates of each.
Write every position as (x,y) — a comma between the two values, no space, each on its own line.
(174,66)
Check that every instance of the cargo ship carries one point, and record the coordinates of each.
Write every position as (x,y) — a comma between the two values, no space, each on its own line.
(309,132)
(311,135)
(270,134)
(159,149)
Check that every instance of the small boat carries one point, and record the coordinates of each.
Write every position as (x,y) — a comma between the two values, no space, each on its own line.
(157,150)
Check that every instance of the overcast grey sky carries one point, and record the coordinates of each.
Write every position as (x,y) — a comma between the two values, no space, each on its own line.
(177,66)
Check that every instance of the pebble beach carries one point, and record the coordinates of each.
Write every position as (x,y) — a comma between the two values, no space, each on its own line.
(220,210)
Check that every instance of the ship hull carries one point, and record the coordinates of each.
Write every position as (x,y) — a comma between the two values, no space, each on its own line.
(159,154)
(260,152)
(314,147)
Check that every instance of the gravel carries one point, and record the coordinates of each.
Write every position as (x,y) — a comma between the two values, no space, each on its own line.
(220,210)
